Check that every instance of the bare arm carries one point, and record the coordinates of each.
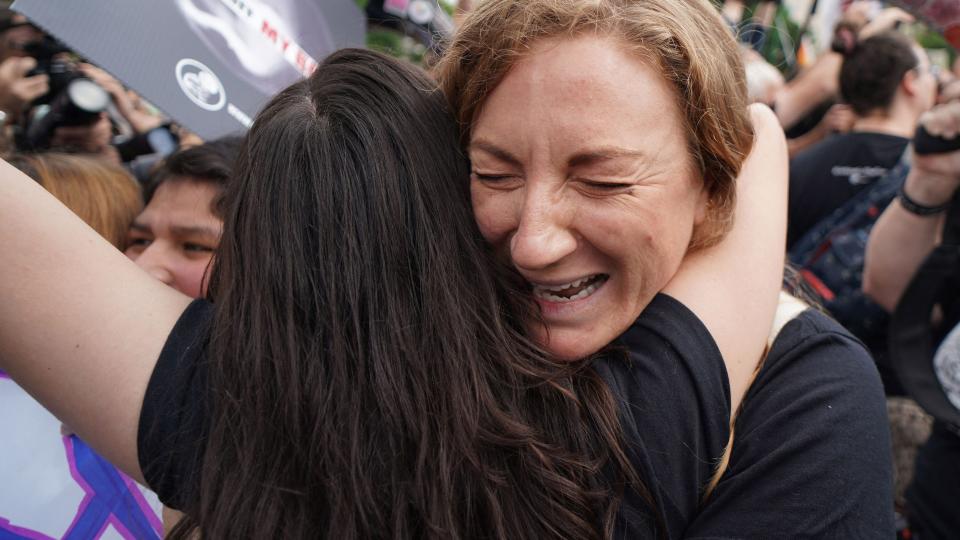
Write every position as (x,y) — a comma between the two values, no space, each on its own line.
(900,241)
(81,326)
(898,245)
(733,287)
(811,88)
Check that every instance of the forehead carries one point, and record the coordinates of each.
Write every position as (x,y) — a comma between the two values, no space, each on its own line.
(579,90)
(183,202)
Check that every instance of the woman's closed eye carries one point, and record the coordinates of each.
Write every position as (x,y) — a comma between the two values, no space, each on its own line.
(605,187)
(497,181)
(491,177)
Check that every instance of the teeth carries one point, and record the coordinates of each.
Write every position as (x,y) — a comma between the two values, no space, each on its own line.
(543,292)
(568,285)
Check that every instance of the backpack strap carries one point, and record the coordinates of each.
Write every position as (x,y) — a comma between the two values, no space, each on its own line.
(880,193)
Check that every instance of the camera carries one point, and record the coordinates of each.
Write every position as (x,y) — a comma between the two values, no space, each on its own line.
(73,99)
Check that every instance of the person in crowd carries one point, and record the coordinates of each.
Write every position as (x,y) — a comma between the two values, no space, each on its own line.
(175,236)
(103,195)
(43,470)
(818,84)
(888,83)
(21,88)
(906,233)
(369,370)
(764,82)
(17,89)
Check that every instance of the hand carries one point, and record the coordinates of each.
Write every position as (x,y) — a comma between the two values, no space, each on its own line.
(935,177)
(91,139)
(886,20)
(839,119)
(16,89)
(127,102)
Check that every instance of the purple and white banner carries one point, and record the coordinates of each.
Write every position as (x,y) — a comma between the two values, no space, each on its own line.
(56,487)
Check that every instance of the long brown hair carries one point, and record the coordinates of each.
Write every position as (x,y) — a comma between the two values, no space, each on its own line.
(685,39)
(369,370)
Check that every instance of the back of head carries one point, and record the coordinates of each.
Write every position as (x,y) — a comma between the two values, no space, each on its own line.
(211,163)
(872,71)
(369,374)
(685,39)
(102,194)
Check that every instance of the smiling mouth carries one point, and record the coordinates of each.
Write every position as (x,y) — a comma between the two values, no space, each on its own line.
(570,292)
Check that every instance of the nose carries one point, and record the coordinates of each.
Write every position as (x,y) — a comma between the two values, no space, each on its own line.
(544,234)
(154,259)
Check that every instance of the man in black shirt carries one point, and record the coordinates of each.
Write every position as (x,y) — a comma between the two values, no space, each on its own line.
(887,82)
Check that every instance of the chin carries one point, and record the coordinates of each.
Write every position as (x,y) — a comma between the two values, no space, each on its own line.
(569,347)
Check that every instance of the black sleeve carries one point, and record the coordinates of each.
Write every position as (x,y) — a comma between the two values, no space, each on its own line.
(811,455)
(674,406)
(173,418)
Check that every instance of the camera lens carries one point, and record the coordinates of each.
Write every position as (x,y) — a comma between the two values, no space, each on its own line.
(88,96)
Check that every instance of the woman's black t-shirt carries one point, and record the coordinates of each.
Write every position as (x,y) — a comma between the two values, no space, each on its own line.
(811,456)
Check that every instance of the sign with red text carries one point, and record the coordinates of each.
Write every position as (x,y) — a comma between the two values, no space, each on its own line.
(208,64)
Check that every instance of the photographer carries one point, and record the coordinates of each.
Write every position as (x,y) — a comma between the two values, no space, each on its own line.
(64,104)
(17,88)
(904,236)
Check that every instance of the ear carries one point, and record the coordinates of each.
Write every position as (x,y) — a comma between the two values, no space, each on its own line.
(909,83)
(703,206)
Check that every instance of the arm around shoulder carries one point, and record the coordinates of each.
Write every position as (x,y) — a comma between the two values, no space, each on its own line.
(733,286)
(81,326)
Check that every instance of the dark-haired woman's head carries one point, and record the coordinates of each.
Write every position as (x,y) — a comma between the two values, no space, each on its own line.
(369,370)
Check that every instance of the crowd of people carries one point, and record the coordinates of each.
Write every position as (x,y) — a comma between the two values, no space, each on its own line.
(535,291)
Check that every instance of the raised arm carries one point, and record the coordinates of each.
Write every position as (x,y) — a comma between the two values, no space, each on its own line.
(902,240)
(733,287)
(81,326)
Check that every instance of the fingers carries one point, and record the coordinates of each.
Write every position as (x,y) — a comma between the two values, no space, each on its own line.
(943,120)
(16,89)
(16,67)
(30,88)
(887,20)
(950,92)
(840,118)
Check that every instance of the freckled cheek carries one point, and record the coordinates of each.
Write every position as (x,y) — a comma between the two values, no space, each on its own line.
(494,214)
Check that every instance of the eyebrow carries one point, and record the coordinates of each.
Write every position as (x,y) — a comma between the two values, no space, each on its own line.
(140,227)
(200,231)
(606,153)
(589,157)
(495,151)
